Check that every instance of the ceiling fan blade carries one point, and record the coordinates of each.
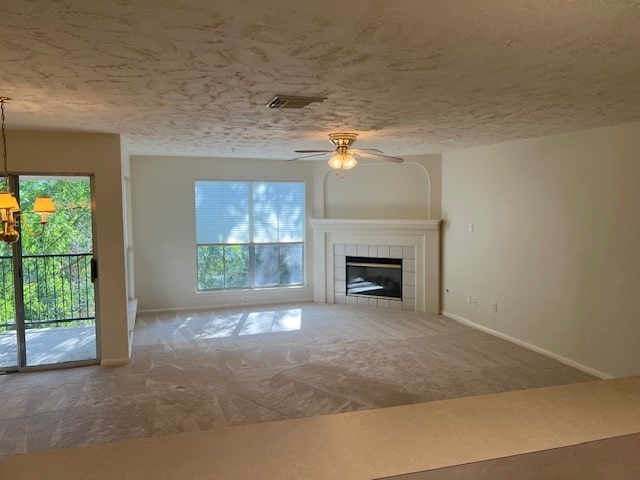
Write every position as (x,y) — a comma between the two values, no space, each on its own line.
(308,156)
(388,158)
(314,151)
(374,150)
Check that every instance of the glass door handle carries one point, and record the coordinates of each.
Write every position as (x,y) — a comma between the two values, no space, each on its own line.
(94,270)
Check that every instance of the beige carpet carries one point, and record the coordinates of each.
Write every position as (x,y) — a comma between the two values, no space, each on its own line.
(374,443)
(202,370)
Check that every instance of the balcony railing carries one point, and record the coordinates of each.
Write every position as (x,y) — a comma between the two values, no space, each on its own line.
(58,291)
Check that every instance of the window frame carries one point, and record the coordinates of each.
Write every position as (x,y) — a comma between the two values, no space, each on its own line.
(251,274)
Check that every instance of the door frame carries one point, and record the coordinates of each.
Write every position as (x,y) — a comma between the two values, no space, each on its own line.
(18,284)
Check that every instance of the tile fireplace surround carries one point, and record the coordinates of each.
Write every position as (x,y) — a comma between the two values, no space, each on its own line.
(405,252)
(417,242)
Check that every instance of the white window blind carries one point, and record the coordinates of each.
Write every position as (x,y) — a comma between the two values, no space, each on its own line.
(249,212)
(222,212)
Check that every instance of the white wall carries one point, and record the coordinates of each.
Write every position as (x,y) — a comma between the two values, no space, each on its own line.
(127,213)
(556,243)
(374,190)
(164,228)
(98,155)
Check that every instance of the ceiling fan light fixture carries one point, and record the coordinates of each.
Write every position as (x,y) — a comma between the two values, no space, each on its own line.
(343,157)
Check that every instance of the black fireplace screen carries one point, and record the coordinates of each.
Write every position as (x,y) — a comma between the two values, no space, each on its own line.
(374,277)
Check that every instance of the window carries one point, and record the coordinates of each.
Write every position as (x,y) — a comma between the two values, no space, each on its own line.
(249,234)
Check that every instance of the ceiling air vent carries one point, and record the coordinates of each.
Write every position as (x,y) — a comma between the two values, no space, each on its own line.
(290,101)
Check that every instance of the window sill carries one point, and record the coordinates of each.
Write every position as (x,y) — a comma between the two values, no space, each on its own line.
(244,291)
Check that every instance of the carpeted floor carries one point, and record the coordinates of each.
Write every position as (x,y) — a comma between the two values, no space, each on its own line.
(206,369)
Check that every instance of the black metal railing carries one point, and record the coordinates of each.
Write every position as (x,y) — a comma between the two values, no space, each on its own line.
(57,291)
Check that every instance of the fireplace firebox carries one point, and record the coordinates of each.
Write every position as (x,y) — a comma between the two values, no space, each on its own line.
(374,277)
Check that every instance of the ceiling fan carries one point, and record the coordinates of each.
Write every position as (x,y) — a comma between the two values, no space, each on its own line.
(343,156)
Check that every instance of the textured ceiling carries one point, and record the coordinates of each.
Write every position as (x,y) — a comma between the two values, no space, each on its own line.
(191,77)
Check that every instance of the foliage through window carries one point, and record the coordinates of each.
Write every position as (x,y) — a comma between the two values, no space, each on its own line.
(56,265)
(249,234)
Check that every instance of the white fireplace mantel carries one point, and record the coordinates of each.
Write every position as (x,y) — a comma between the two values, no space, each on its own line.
(424,235)
(340,224)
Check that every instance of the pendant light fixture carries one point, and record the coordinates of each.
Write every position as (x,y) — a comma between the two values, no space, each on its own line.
(9,207)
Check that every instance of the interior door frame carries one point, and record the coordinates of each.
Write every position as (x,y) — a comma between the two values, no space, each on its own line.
(18,285)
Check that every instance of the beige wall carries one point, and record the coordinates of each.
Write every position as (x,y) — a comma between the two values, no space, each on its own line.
(98,155)
(164,228)
(164,238)
(381,190)
(556,243)
(127,214)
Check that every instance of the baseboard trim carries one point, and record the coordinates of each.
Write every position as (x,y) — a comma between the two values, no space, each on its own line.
(114,362)
(227,305)
(555,356)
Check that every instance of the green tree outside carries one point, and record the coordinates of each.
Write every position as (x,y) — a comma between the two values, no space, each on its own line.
(54,287)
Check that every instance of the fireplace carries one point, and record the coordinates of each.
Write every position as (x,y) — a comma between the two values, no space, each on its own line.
(380,276)
(416,243)
(374,277)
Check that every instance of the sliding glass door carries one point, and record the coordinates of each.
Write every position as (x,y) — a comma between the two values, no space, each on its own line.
(8,326)
(50,318)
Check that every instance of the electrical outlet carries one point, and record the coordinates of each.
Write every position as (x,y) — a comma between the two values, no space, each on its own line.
(474,301)
(494,307)
(244,298)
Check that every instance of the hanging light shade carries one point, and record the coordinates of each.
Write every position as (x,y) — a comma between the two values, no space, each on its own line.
(335,161)
(7,201)
(44,206)
(348,162)
(342,160)
(9,206)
